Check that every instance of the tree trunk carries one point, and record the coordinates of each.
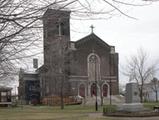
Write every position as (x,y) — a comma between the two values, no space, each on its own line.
(141,95)
(62,102)
(156,96)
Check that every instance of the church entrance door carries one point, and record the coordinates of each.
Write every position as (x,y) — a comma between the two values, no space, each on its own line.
(105,90)
(93,90)
(82,90)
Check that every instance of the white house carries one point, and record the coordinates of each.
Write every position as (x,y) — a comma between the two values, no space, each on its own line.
(151,91)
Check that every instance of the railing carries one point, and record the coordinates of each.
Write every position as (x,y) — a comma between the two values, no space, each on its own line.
(56,100)
(5,104)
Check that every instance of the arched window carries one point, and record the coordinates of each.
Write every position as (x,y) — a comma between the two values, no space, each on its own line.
(93,67)
(93,90)
(105,90)
(60,28)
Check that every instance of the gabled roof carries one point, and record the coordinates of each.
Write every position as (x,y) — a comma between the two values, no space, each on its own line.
(5,88)
(91,37)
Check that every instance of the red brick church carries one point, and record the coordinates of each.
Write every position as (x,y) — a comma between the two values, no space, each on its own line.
(87,67)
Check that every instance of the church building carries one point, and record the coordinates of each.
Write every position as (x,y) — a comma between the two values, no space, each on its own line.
(86,67)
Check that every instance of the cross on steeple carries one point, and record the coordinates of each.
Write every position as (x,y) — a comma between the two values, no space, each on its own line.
(92,27)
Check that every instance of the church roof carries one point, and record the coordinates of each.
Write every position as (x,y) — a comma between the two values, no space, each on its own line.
(91,37)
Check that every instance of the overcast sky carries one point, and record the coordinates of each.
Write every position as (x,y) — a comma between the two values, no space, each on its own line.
(127,35)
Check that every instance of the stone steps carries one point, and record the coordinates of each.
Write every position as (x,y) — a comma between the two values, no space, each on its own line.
(116,99)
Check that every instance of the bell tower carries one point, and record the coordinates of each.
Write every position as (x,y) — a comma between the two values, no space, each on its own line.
(56,30)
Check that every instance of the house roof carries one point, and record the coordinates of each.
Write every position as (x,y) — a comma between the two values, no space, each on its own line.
(43,68)
(5,88)
(91,37)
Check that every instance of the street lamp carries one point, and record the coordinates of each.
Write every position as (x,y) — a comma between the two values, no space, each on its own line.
(112,51)
(96,104)
(93,61)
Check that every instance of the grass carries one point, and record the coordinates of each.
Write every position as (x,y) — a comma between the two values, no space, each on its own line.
(76,112)
(150,105)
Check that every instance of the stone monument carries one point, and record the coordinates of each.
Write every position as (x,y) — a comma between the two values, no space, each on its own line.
(132,93)
(132,99)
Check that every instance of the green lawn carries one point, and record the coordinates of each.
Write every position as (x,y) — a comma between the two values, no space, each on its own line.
(150,105)
(76,112)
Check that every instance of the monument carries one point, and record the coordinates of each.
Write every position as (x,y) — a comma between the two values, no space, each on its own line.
(132,99)
(132,93)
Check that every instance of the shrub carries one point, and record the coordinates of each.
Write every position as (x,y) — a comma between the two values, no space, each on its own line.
(109,108)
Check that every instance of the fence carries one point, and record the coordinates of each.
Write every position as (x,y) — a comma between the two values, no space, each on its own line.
(56,100)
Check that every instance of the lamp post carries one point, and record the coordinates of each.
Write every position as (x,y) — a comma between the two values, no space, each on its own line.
(93,61)
(95,77)
(96,104)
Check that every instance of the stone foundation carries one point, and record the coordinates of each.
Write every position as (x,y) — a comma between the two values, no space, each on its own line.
(130,107)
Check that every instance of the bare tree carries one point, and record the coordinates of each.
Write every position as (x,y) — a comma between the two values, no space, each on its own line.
(16,26)
(121,89)
(155,86)
(63,47)
(20,24)
(20,31)
(140,70)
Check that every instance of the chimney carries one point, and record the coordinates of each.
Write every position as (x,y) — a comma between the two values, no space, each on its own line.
(35,63)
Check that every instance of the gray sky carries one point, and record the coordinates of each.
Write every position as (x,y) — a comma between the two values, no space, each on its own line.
(127,35)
